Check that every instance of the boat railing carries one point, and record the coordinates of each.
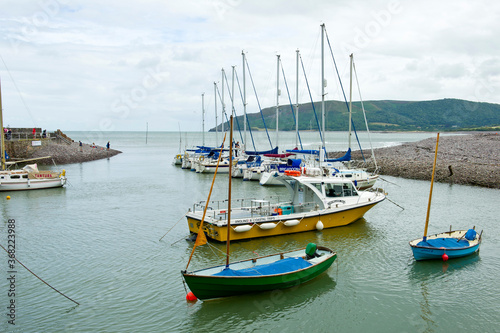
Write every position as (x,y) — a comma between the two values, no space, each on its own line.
(216,206)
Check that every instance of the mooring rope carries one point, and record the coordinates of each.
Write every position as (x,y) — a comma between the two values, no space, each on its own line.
(39,278)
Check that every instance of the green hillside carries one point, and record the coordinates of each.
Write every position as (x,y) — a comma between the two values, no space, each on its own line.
(438,115)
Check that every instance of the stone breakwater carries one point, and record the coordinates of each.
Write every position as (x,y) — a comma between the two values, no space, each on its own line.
(71,153)
(472,159)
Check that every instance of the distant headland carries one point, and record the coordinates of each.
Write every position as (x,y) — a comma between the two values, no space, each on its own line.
(28,143)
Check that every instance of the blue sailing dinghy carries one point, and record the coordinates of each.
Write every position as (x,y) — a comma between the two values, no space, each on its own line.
(453,244)
(445,245)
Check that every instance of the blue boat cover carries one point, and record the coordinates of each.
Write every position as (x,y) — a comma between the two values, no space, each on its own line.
(303,151)
(293,162)
(286,265)
(470,234)
(447,243)
(346,157)
(272,151)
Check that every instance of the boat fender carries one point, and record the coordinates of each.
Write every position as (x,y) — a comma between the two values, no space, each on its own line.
(291,223)
(319,226)
(267,226)
(243,228)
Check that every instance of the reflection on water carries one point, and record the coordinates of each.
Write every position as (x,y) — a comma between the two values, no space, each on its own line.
(253,312)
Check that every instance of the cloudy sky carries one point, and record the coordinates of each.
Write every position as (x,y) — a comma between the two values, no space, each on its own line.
(117,65)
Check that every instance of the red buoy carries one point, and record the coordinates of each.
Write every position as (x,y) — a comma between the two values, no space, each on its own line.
(445,257)
(190,297)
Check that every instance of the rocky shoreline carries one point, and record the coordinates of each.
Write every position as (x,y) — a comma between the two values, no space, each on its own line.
(472,159)
(63,153)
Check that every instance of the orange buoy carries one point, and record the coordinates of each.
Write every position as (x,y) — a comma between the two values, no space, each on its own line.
(190,297)
(8,197)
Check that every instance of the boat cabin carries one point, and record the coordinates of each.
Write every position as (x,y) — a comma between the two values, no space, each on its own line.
(320,192)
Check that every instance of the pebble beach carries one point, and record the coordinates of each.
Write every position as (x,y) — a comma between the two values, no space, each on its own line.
(71,153)
(469,159)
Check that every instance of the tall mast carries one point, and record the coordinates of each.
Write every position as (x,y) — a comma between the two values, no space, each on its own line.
(350,102)
(232,90)
(430,193)
(2,150)
(297,103)
(323,82)
(223,104)
(244,105)
(277,97)
(229,191)
(203,117)
(216,123)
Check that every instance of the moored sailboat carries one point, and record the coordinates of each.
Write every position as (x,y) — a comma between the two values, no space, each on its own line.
(277,271)
(445,245)
(29,177)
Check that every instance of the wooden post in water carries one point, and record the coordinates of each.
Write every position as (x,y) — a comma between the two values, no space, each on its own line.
(146,132)
(430,193)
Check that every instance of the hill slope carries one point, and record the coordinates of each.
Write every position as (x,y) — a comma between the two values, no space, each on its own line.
(437,115)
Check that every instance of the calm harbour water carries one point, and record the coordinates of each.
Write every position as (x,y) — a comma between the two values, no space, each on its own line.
(97,241)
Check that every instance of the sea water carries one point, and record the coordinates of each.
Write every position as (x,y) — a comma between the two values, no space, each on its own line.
(97,240)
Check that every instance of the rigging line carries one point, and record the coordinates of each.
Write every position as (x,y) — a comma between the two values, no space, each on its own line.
(310,96)
(343,92)
(39,278)
(248,122)
(364,114)
(258,103)
(291,105)
(232,107)
(18,91)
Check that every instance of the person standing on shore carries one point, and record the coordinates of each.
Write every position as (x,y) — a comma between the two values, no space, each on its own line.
(107,146)
(81,147)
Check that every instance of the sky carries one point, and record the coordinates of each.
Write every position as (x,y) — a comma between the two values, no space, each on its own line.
(124,65)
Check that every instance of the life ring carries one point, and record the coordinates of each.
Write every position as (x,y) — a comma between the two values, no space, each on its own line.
(201,158)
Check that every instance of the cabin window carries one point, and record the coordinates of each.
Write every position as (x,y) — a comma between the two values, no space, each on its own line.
(15,177)
(25,176)
(333,190)
(348,190)
(318,186)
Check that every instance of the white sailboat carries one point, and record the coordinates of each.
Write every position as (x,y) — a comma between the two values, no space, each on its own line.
(29,177)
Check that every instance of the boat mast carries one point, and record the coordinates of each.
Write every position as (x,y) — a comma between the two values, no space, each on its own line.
(297,103)
(223,104)
(216,123)
(430,193)
(244,105)
(203,118)
(229,192)
(350,104)
(232,104)
(2,150)
(277,96)
(323,82)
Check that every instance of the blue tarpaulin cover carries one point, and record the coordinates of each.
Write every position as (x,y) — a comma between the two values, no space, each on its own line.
(470,234)
(447,243)
(279,267)
(346,157)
